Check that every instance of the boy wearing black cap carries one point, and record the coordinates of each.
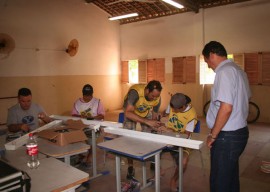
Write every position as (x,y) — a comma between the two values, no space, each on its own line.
(88,106)
(182,119)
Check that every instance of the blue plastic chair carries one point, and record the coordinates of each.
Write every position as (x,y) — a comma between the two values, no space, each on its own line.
(197,128)
(121,117)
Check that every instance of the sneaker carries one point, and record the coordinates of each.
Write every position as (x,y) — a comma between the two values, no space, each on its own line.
(135,185)
(152,166)
(265,167)
(132,185)
(151,180)
(125,187)
(130,172)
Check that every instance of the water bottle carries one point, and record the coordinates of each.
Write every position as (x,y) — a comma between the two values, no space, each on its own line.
(32,151)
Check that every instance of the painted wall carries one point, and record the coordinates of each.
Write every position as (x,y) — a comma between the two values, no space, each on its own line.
(242,27)
(42,31)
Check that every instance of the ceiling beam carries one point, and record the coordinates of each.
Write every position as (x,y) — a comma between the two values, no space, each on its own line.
(193,5)
(89,1)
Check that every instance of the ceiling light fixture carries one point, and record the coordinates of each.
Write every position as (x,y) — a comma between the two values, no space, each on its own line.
(173,3)
(124,16)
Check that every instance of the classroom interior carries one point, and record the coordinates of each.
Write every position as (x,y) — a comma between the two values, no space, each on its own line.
(42,30)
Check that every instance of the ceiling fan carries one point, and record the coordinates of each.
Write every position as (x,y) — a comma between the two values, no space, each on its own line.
(7,45)
(142,1)
(73,47)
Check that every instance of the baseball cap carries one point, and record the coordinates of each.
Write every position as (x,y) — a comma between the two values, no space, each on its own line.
(178,100)
(87,90)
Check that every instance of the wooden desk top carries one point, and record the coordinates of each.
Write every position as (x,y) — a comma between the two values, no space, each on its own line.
(131,147)
(53,175)
(56,151)
(19,156)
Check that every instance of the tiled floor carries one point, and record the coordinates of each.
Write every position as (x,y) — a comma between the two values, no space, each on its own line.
(195,178)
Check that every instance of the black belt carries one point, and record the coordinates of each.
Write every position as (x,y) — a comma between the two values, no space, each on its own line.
(238,130)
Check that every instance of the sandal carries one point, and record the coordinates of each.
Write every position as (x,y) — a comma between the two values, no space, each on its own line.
(265,167)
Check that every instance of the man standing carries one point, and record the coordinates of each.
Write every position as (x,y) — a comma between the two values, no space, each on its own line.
(25,115)
(226,118)
(141,105)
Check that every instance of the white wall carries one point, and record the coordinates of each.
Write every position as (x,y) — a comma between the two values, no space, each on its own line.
(42,30)
(241,27)
(49,26)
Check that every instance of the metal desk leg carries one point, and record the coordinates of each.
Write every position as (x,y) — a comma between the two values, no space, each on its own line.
(118,173)
(144,173)
(67,160)
(94,153)
(180,169)
(157,172)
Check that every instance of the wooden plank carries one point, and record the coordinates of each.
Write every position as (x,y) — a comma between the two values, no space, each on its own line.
(133,147)
(57,151)
(95,124)
(189,143)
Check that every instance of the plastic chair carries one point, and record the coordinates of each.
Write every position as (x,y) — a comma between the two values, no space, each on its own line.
(197,129)
(121,118)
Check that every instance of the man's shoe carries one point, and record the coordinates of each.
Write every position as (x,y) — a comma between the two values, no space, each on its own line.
(150,180)
(132,185)
(126,187)
(135,185)
(130,173)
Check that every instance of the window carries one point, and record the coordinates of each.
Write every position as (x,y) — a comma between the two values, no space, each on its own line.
(257,67)
(238,59)
(251,67)
(207,75)
(129,71)
(265,68)
(143,71)
(156,69)
(124,72)
(134,71)
(184,69)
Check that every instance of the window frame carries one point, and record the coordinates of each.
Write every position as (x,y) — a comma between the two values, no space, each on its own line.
(184,70)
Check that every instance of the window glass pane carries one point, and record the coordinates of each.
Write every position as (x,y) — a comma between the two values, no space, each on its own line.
(207,75)
(133,71)
(230,56)
(238,58)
